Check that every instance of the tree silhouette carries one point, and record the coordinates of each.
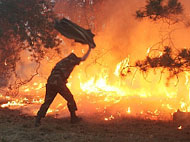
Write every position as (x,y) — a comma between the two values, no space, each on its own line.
(24,25)
(163,55)
(156,9)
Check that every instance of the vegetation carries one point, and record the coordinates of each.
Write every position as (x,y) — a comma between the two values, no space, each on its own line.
(174,63)
(161,55)
(28,25)
(25,25)
(159,9)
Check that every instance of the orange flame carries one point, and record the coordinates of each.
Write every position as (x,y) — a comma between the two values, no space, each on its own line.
(101,84)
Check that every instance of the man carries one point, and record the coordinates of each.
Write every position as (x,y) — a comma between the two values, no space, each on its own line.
(56,83)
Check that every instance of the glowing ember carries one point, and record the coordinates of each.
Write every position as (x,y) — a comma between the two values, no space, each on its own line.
(179,127)
(5,63)
(109,118)
(12,103)
(40,101)
(129,110)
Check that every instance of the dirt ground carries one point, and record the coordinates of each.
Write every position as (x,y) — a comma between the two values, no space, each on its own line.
(16,127)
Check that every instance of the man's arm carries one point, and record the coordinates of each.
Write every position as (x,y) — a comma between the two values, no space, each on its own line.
(86,55)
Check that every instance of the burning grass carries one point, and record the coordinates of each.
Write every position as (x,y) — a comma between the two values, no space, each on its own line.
(106,90)
(109,99)
(110,93)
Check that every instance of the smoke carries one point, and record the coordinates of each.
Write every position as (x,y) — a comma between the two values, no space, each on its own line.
(121,35)
(118,35)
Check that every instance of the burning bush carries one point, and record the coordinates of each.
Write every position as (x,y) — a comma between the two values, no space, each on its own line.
(164,56)
(174,63)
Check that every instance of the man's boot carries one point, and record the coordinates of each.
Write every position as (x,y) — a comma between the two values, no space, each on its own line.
(38,121)
(74,118)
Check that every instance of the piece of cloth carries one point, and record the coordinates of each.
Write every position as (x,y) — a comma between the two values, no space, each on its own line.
(73,31)
(57,84)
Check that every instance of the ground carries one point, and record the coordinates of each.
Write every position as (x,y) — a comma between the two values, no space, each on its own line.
(16,127)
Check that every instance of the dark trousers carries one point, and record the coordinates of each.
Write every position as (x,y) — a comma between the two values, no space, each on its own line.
(51,92)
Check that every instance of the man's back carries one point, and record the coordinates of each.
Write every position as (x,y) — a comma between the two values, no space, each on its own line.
(63,69)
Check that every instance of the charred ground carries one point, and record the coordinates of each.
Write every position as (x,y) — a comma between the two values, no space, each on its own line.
(16,127)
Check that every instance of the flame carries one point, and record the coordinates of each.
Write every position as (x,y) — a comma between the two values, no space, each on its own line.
(102,83)
(122,66)
(105,93)
(13,103)
(129,110)
(148,50)
(109,118)
(179,127)
(187,76)
(5,63)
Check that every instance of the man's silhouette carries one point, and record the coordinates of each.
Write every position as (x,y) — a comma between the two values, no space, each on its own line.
(56,83)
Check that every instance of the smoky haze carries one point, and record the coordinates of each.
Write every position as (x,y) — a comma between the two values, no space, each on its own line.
(118,35)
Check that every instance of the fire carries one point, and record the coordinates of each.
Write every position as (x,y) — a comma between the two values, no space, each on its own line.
(129,110)
(102,84)
(12,103)
(114,98)
(179,127)
(121,67)
(5,63)
(148,50)
(187,83)
(109,118)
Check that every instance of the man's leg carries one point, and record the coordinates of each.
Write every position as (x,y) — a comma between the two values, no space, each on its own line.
(49,97)
(71,104)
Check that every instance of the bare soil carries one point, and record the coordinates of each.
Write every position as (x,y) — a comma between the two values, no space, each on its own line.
(16,127)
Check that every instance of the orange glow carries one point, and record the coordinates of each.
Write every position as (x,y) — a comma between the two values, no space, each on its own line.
(104,84)
(113,97)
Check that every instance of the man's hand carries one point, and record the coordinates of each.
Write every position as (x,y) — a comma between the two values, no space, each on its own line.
(91,45)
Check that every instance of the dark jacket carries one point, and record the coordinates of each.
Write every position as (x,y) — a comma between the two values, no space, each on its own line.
(63,69)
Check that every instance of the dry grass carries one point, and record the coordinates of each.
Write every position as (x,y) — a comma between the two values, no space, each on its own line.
(15,127)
